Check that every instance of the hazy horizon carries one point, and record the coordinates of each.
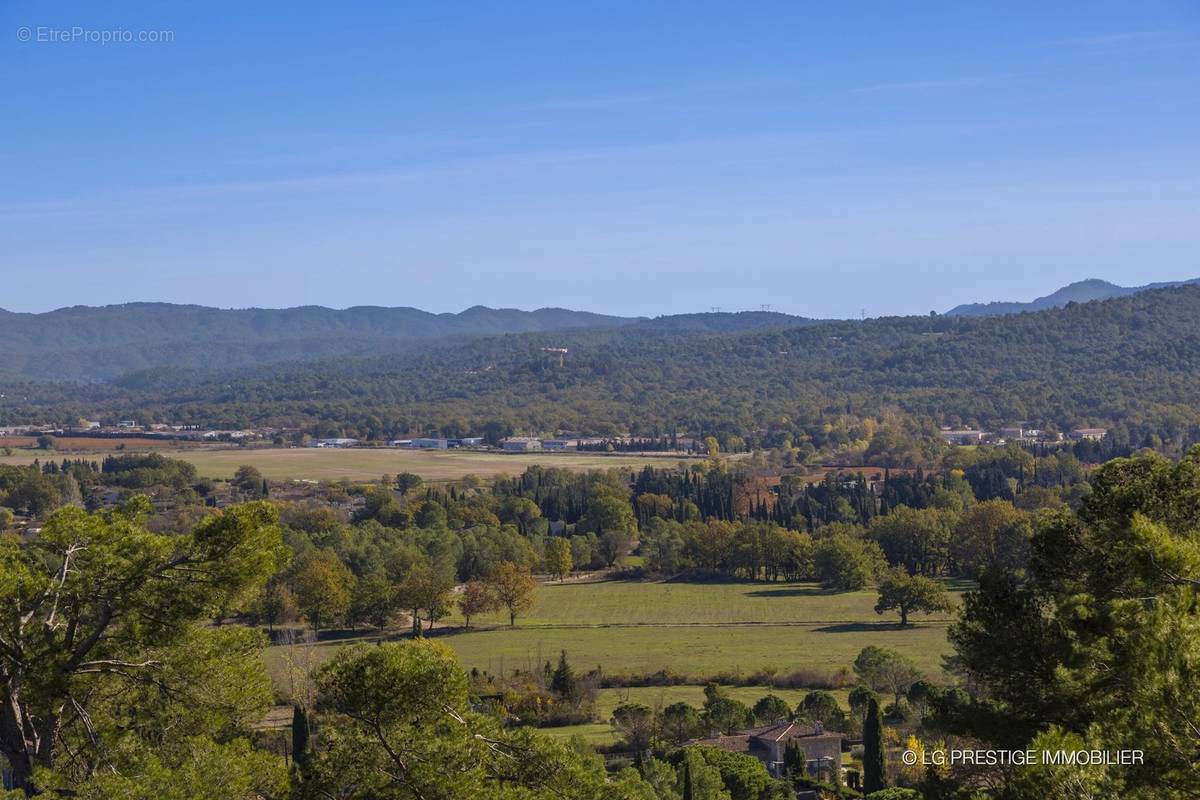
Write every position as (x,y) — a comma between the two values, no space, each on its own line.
(616,312)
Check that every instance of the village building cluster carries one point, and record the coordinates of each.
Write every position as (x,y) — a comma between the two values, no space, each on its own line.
(1017,433)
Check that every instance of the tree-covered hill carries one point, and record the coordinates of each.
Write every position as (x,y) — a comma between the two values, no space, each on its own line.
(1131,363)
(160,345)
(85,343)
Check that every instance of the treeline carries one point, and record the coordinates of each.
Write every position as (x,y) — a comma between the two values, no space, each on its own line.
(714,518)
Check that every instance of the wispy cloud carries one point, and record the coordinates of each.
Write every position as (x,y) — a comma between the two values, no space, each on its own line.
(1135,40)
(664,94)
(933,85)
(178,196)
(24,212)
(598,102)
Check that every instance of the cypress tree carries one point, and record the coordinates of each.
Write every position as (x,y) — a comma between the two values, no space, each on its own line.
(300,743)
(689,791)
(873,762)
(794,760)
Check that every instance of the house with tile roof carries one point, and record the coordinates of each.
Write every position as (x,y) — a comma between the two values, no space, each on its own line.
(822,749)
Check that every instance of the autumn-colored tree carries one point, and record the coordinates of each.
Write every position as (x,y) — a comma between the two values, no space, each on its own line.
(425,588)
(514,587)
(477,598)
(558,558)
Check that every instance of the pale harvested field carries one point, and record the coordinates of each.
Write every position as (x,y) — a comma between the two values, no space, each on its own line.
(93,444)
(311,463)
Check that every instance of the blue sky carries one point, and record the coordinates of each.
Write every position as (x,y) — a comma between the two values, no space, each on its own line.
(629,158)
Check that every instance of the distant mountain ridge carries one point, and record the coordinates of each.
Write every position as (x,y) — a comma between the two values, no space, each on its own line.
(163,344)
(1131,364)
(1084,291)
(1127,360)
(85,343)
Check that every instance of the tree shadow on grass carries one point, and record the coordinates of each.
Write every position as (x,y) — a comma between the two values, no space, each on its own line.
(283,636)
(793,591)
(347,634)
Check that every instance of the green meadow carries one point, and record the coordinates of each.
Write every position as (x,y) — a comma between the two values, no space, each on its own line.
(698,630)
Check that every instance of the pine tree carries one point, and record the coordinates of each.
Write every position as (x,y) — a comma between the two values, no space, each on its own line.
(873,762)
(562,682)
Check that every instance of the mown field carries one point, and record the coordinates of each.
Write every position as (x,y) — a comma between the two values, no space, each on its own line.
(678,603)
(311,463)
(695,629)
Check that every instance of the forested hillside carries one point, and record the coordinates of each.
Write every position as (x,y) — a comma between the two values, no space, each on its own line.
(159,345)
(1132,364)
(84,343)
(1079,292)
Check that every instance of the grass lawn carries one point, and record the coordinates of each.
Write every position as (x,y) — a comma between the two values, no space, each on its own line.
(594,733)
(312,463)
(696,629)
(699,652)
(677,603)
